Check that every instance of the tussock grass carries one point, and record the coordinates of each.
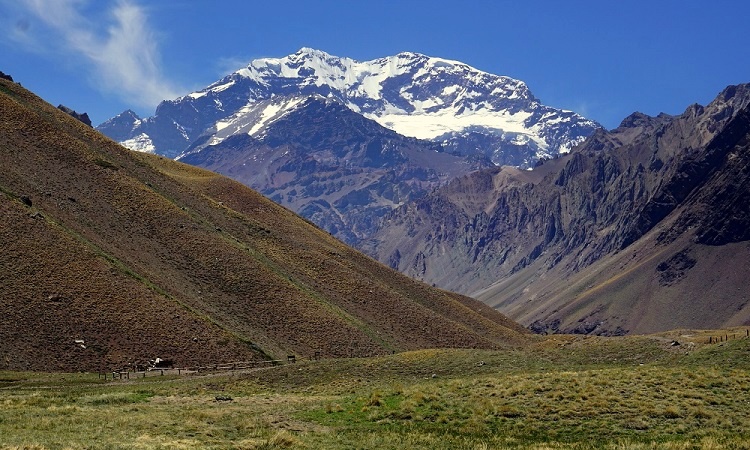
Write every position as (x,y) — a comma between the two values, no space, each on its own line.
(550,397)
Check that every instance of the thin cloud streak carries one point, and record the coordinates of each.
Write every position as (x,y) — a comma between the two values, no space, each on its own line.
(124,57)
(227,65)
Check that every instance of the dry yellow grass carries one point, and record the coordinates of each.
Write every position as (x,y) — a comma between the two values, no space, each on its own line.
(544,398)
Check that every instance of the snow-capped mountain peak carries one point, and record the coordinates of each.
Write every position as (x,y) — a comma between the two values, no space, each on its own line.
(407,82)
(424,97)
(413,94)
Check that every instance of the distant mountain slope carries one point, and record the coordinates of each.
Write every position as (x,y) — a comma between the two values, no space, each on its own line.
(639,229)
(112,257)
(415,95)
(331,165)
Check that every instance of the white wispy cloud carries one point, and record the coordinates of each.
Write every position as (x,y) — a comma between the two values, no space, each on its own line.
(120,50)
(231,64)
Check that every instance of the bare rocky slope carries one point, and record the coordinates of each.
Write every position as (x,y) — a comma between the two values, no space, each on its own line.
(642,228)
(111,257)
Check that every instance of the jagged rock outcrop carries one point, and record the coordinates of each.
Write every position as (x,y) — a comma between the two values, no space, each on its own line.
(84,117)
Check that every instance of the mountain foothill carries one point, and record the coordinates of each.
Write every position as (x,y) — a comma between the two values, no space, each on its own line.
(111,258)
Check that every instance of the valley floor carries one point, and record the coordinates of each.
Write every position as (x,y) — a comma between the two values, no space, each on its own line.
(673,391)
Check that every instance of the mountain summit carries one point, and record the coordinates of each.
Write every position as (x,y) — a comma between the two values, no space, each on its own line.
(463,108)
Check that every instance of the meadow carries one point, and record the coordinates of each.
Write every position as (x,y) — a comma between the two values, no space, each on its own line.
(672,391)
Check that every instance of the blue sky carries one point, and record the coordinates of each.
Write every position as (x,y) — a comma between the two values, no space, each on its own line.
(603,59)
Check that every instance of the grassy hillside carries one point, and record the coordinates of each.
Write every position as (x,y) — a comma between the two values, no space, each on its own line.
(560,392)
(112,257)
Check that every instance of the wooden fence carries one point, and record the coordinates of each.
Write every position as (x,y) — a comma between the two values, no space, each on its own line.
(726,337)
(222,367)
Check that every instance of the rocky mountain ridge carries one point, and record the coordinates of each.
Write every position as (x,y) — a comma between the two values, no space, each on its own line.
(83,117)
(647,197)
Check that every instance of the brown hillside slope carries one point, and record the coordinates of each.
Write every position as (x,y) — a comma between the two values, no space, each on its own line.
(140,257)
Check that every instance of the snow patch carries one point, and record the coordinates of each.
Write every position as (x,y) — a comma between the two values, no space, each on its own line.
(271,112)
(140,143)
(433,125)
(222,87)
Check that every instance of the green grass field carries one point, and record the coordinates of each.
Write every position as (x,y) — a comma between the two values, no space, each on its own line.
(562,392)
